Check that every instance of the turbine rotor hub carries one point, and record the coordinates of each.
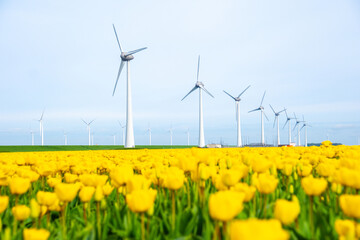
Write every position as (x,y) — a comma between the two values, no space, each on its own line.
(125,57)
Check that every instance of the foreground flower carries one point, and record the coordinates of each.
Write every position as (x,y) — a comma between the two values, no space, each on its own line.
(66,192)
(21,212)
(225,205)
(248,191)
(173,178)
(19,185)
(256,229)
(345,228)
(313,186)
(350,205)
(4,202)
(86,194)
(35,208)
(141,200)
(287,211)
(35,234)
(266,183)
(46,198)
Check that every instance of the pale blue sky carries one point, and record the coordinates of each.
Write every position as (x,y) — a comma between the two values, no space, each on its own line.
(63,56)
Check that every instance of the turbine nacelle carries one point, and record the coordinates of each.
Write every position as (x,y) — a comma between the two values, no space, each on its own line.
(126,57)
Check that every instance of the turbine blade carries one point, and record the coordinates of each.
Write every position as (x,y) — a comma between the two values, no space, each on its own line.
(282,111)
(198,69)
(203,88)
(190,92)
(262,99)
(117,79)
(303,118)
(272,109)
(84,121)
(244,91)
(117,39)
(286,113)
(257,109)
(91,121)
(286,122)
(135,51)
(295,125)
(295,116)
(302,127)
(229,94)
(265,115)
(275,121)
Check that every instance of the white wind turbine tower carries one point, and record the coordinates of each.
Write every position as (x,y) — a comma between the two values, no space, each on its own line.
(32,137)
(114,138)
(200,86)
(171,135)
(305,128)
(89,130)
(126,57)
(149,131)
(288,120)
(123,135)
(42,128)
(65,138)
(237,109)
(261,108)
(298,130)
(277,123)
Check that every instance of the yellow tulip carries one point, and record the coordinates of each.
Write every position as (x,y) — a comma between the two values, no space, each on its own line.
(86,194)
(52,182)
(99,195)
(66,192)
(345,228)
(257,229)
(225,205)
(34,208)
(71,178)
(350,205)
(173,178)
(21,212)
(93,180)
(46,198)
(35,234)
(137,182)
(326,143)
(266,183)
(19,185)
(121,175)
(107,189)
(304,170)
(4,202)
(230,177)
(313,186)
(287,211)
(141,200)
(248,191)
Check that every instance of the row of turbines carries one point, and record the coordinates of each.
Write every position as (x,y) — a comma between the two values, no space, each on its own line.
(126,57)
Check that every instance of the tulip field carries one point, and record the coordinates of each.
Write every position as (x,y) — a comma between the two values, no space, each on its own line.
(230,193)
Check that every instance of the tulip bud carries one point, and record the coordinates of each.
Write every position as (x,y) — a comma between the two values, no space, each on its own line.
(35,208)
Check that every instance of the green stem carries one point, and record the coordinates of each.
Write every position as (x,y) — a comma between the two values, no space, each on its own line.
(64,220)
(84,213)
(188,193)
(173,209)
(142,226)
(98,219)
(15,227)
(216,231)
(265,200)
(311,217)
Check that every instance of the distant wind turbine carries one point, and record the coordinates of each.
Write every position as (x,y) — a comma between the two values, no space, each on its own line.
(305,125)
(123,135)
(261,108)
(149,131)
(42,128)
(200,86)
(114,138)
(298,129)
(65,138)
(237,109)
(288,120)
(171,135)
(277,123)
(89,130)
(126,57)
(32,137)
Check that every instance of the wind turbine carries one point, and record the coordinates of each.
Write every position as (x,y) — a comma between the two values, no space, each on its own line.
(237,108)
(126,57)
(288,120)
(298,129)
(89,130)
(305,125)
(114,138)
(261,108)
(149,131)
(42,128)
(123,135)
(200,86)
(277,123)
(65,138)
(171,135)
(32,137)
